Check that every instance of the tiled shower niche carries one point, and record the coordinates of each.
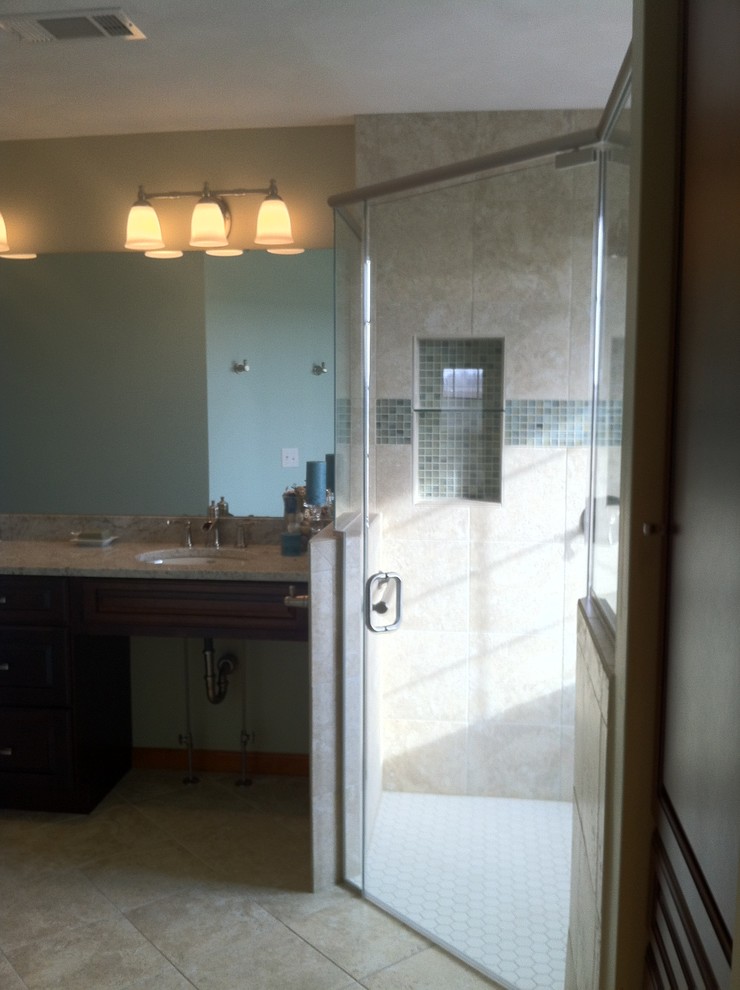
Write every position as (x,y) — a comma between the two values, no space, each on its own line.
(458,418)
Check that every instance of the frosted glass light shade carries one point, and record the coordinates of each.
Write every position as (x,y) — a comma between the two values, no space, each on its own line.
(143,232)
(208,225)
(4,246)
(273,222)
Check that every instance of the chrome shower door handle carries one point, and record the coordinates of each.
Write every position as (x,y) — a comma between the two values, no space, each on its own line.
(383,602)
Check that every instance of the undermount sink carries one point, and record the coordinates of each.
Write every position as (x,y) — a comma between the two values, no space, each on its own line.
(190,556)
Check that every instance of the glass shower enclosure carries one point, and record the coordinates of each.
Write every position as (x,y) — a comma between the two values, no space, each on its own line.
(468,304)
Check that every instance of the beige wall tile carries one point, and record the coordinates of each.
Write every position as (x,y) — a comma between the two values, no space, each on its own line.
(425,675)
(516,681)
(425,756)
(514,760)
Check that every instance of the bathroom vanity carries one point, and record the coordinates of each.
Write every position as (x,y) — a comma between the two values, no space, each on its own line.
(66,615)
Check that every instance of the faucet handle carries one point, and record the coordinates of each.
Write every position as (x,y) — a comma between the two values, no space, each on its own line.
(188,540)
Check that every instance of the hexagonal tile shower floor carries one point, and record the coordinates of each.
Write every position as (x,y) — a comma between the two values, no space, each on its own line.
(488,878)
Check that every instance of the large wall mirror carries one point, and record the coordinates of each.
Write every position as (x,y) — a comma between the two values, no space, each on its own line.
(118,393)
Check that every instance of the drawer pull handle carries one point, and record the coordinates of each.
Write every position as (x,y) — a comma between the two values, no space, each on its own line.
(4,666)
(3,600)
(6,750)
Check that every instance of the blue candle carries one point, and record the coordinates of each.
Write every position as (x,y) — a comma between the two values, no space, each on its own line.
(330,472)
(315,482)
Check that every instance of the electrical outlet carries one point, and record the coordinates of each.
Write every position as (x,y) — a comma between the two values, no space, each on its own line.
(290,457)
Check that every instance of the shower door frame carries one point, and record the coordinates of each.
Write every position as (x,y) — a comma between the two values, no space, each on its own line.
(593,142)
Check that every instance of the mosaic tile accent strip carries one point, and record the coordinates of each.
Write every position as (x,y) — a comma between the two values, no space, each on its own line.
(561,423)
(393,419)
(609,423)
(343,421)
(547,422)
(527,422)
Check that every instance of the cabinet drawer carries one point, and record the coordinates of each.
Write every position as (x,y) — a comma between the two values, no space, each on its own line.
(37,600)
(252,609)
(34,742)
(34,667)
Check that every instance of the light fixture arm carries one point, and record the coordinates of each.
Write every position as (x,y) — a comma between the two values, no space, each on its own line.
(206,190)
(208,229)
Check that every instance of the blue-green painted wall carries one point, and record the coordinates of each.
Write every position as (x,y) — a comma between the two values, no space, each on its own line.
(116,389)
(101,385)
(278,313)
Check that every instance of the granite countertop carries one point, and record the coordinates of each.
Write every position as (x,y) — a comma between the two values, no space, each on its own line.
(258,562)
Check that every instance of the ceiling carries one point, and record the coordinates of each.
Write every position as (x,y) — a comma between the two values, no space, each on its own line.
(282,63)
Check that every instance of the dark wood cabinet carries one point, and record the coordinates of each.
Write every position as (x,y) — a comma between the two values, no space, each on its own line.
(65,694)
(65,723)
(248,609)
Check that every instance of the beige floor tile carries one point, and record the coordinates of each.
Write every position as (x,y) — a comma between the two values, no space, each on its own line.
(9,979)
(144,785)
(104,955)
(50,905)
(262,853)
(28,854)
(285,796)
(108,829)
(138,876)
(171,979)
(431,969)
(292,906)
(204,887)
(358,936)
(195,810)
(217,937)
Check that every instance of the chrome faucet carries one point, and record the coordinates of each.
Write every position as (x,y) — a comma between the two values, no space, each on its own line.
(210,527)
(188,538)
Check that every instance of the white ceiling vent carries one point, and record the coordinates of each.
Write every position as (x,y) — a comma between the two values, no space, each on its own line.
(71,25)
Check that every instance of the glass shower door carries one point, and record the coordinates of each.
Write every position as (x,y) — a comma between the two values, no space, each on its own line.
(475,388)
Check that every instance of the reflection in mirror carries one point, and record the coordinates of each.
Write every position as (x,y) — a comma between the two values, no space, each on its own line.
(118,393)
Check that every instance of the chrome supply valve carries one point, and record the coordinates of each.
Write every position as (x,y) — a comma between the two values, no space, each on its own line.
(292,600)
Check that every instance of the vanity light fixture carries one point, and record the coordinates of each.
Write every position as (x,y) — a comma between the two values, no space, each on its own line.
(211,220)
(163,254)
(208,225)
(143,232)
(4,246)
(5,251)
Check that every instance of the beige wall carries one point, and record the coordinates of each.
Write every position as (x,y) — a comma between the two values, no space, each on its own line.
(73,194)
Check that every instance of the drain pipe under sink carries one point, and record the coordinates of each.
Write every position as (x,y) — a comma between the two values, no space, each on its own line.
(217,672)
